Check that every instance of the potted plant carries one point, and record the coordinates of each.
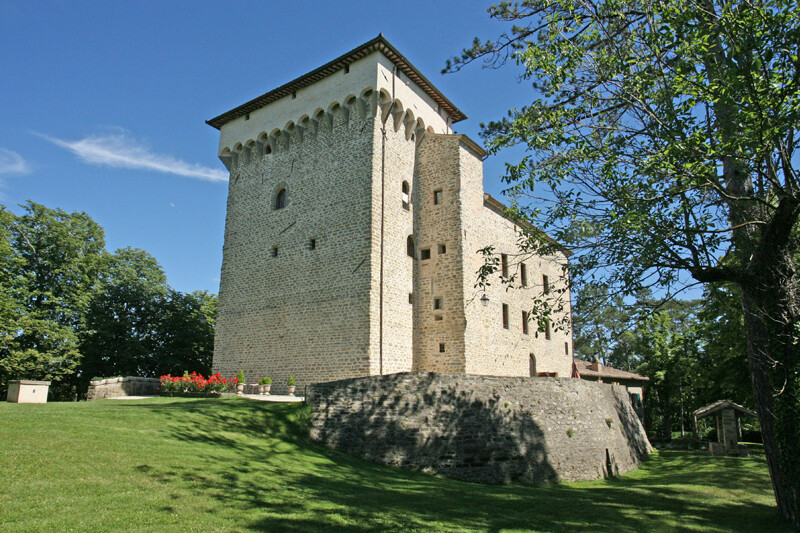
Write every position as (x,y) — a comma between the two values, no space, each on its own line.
(264,385)
(240,382)
(292,383)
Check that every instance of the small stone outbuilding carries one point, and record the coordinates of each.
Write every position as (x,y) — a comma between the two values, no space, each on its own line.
(727,415)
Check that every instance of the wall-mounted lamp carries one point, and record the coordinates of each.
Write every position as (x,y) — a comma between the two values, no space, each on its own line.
(485,300)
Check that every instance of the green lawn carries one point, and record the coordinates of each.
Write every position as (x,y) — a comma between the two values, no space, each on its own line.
(237,465)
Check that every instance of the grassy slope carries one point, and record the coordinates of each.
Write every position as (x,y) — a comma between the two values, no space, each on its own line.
(239,465)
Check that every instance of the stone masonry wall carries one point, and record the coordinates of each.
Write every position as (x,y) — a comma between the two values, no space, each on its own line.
(288,306)
(482,428)
(118,387)
(439,333)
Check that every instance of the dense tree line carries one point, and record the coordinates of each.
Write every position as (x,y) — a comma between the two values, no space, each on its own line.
(71,311)
(693,351)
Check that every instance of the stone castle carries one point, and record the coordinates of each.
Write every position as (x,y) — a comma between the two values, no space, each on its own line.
(354,218)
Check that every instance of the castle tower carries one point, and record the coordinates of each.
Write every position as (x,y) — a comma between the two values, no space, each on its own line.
(353,218)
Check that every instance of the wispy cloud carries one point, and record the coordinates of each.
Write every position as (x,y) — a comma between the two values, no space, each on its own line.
(12,163)
(122,151)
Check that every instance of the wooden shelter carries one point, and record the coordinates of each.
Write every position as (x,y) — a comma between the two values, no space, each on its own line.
(727,415)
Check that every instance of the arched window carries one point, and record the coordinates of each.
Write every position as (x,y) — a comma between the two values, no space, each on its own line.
(406,195)
(280,199)
(410,248)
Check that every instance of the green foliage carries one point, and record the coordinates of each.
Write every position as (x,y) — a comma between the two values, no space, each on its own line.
(570,433)
(662,144)
(70,310)
(266,380)
(291,381)
(50,259)
(240,377)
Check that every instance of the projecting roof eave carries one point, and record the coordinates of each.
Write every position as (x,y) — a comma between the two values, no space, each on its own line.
(380,44)
(500,208)
(720,405)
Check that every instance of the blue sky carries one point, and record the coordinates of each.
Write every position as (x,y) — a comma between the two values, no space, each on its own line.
(103,104)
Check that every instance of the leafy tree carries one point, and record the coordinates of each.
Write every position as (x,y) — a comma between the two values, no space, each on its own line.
(185,332)
(665,135)
(123,316)
(50,261)
(601,326)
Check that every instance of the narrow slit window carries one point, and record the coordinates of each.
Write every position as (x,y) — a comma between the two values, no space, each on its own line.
(442,249)
(504,265)
(566,348)
(294,95)
(274,251)
(347,69)
(545,284)
(547,333)
(437,303)
(437,318)
(406,195)
(280,199)
(437,196)
(525,322)
(411,297)
(425,253)
(410,247)
(505,316)
(523,275)
(441,347)
(312,244)
(532,365)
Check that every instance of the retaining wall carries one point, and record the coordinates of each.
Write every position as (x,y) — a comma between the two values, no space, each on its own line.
(482,428)
(127,386)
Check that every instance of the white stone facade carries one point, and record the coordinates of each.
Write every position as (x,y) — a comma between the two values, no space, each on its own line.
(320,285)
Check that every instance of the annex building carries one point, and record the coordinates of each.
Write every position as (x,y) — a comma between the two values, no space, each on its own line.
(354,218)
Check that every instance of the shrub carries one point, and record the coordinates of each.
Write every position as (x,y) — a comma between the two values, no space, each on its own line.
(266,380)
(240,377)
(291,381)
(193,384)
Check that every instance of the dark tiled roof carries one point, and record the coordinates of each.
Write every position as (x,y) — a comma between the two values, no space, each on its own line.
(585,369)
(380,44)
(720,405)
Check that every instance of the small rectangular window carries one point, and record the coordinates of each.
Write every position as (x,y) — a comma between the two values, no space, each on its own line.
(425,253)
(411,297)
(247,116)
(437,196)
(274,251)
(523,275)
(441,347)
(505,316)
(547,330)
(437,303)
(442,249)
(504,265)
(437,318)
(347,69)
(566,348)
(294,95)
(545,284)
(525,322)
(312,244)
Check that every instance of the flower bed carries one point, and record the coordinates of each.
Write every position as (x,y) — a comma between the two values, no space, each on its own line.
(195,385)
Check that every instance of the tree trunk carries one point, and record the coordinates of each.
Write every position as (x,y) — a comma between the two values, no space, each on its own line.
(770,313)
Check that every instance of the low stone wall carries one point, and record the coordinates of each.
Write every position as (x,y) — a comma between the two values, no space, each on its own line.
(482,428)
(127,386)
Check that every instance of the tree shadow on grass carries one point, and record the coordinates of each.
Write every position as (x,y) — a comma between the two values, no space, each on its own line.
(259,461)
